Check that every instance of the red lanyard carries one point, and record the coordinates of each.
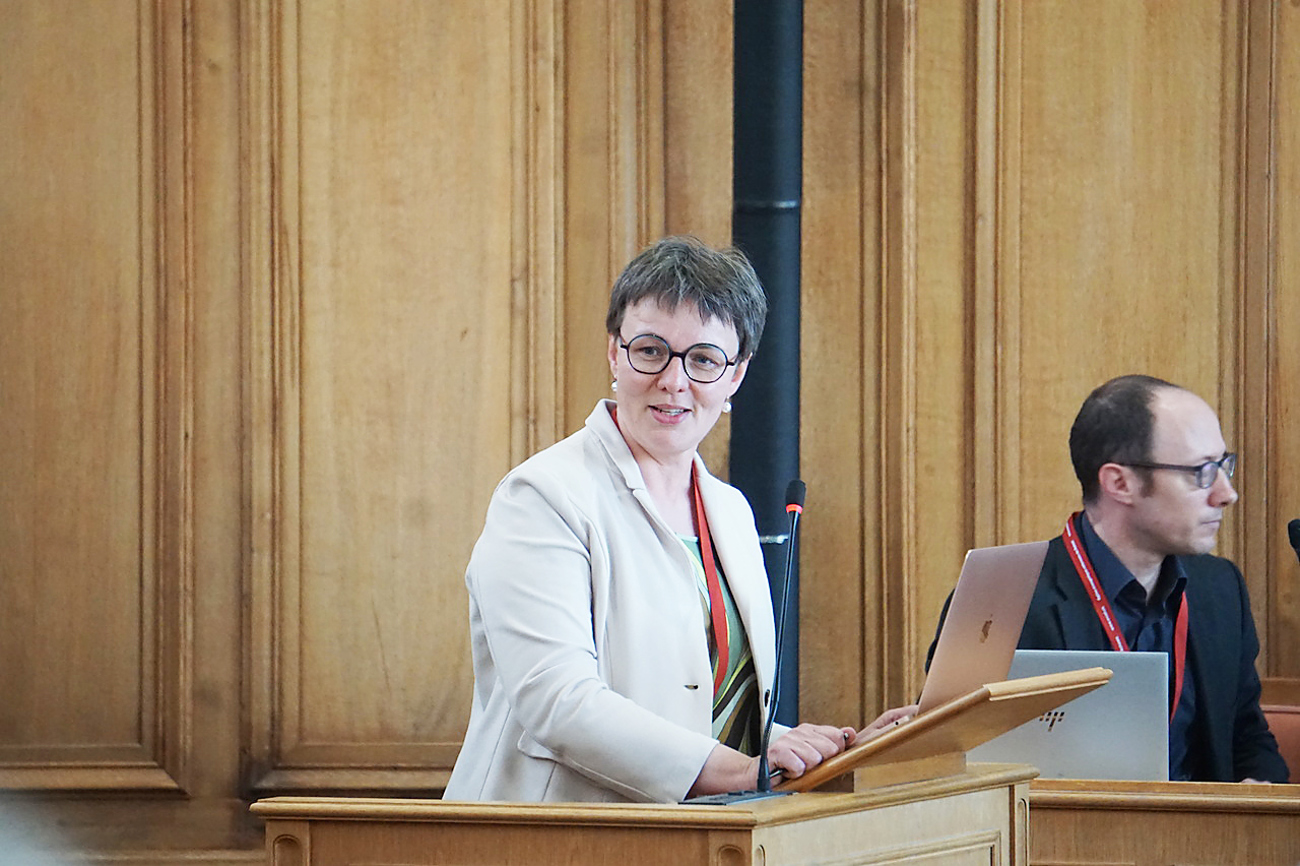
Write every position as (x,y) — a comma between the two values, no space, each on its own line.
(717,607)
(1106,616)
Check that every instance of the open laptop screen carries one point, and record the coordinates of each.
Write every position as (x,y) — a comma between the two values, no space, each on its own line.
(984,620)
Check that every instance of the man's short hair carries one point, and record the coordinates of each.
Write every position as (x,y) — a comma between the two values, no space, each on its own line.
(1114,425)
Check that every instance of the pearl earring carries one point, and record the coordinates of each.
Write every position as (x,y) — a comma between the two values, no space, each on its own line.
(613,386)
(726,406)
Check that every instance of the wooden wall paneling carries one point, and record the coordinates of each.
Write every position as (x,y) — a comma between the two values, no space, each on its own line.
(1246,302)
(380,409)
(697,97)
(698,47)
(840,635)
(260,263)
(1122,236)
(613,174)
(270,241)
(95,552)
(1018,261)
(1249,209)
(1282,104)
(996,287)
(216,821)
(897,341)
(946,317)
(364,343)
(639,89)
(1172,230)
(130,302)
(537,338)
(174,455)
(595,247)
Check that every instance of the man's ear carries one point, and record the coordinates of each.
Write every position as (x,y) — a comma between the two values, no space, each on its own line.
(1119,483)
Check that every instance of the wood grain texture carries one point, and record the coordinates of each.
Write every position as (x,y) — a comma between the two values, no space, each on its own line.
(962,819)
(97,566)
(697,57)
(409,345)
(286,287)
(1275,123)
(840,662)
(1077,212)
(1146,823)
(392,309)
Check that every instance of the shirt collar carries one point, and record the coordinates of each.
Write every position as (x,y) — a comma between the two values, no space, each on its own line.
(1115,576)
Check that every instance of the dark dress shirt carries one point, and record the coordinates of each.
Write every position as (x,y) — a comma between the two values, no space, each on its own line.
(1147,626)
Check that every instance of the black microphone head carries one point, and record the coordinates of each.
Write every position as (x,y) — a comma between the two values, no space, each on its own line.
(1293,529)
(795,493)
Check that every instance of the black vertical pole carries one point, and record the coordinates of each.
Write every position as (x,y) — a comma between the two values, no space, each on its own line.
(768,186)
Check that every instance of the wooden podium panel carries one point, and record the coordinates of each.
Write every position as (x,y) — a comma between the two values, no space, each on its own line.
(1091,823)
(976,817)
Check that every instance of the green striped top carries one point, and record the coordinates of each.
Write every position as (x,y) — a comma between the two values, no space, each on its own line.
(736,716)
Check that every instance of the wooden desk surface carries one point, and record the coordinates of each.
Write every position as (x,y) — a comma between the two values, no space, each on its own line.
(1103,823)
(749,814)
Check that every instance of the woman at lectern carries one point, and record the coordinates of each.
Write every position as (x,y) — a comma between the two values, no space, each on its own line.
(620,615)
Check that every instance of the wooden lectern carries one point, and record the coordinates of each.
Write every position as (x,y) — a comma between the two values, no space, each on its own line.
(911,799)
(935,743)
(976,817)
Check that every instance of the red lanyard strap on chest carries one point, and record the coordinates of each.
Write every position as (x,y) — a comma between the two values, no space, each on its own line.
(717,606)
(1106,616)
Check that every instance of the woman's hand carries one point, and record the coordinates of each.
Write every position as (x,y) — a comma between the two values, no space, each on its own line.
(887,720)
(800,749)
(792,754)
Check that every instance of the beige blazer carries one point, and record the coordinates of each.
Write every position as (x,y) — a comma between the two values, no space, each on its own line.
(591,667)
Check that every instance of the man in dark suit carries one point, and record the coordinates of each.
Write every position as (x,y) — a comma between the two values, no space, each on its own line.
(1133,570)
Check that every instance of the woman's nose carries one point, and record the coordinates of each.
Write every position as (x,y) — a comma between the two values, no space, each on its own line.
(673,377)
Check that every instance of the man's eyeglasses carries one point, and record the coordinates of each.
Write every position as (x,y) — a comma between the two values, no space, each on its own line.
(1205,473)
(703,362)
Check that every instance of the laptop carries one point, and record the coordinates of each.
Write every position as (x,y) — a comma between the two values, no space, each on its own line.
(1118,731)
(984,620)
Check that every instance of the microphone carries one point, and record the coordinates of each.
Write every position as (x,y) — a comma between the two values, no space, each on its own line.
(794,496)
(1293,530)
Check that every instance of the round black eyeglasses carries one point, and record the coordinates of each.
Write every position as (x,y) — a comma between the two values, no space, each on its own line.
(1205,473)
(650,354)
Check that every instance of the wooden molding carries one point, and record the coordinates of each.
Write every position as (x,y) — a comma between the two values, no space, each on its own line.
(268,228)
(1249,400)
(159,760)
(537,339)
(897,398)
(996,293)
(174,72)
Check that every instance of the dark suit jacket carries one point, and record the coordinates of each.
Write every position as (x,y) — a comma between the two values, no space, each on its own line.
(1229,739)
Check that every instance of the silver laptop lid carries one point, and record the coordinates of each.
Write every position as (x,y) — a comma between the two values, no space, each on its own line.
(1118,731)
(984,620)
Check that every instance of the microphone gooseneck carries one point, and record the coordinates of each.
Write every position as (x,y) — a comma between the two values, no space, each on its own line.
(794,497)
